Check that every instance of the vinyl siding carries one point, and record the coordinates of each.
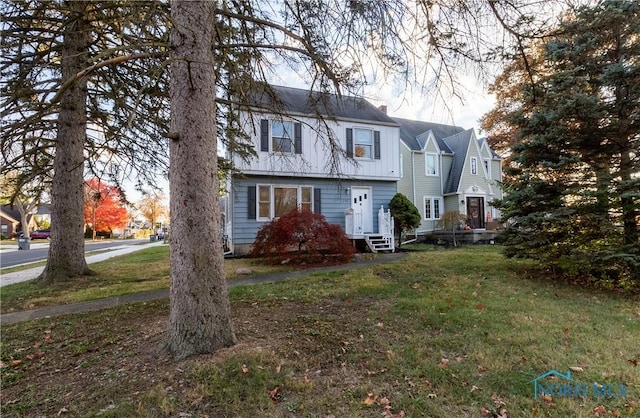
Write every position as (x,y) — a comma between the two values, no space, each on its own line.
(314,160)
(335,199)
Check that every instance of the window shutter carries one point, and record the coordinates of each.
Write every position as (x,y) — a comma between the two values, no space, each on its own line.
(349,142)
(264,135)
(376,145)
(317,195)
(251,202)
(297,137)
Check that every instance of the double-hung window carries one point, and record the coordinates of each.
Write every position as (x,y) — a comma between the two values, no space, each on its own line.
(363,143)
(432,208)
(276,200)
(281,133)
(280,136)
(431,164)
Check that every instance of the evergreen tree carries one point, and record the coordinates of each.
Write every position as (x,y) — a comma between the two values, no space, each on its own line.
(574,198)
(405,215)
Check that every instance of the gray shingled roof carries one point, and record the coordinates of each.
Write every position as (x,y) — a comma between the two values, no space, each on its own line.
(410,130)
(459,144)
(306,102)
(493,153)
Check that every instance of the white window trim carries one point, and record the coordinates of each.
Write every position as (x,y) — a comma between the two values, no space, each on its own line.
(431,200)
(474,164)
(435,159)
(355,144)
(272,207)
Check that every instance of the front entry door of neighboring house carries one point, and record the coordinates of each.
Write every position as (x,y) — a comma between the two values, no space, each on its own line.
(362,210)
(475,212)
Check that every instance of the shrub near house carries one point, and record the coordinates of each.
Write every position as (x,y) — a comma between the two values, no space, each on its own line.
(302,236)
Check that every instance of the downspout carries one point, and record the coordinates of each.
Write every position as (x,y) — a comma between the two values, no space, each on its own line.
(413,176)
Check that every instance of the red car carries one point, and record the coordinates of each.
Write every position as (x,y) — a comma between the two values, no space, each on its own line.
(41,234)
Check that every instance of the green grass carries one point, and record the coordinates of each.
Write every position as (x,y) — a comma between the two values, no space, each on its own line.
(143,270)
(442,333)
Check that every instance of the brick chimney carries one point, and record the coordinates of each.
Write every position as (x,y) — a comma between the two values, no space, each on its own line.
(383,108)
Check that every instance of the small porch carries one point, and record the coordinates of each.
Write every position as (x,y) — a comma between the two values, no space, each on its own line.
(355,229)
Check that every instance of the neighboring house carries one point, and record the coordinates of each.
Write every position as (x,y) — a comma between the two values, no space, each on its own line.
(10,224)
(337,156)
(446,168)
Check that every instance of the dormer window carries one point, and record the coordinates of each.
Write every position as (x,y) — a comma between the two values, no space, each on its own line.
(280,136)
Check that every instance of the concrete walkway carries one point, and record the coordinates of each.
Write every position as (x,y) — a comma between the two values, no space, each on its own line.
(96,305)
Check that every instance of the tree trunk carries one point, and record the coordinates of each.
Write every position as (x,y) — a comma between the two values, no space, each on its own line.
(200,319)
(66,251)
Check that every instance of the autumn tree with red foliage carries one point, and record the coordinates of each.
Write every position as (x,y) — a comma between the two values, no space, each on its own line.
(302,236)
(103,208)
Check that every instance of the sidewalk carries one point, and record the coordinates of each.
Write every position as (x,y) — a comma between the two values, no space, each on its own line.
(96,305)
(32,273)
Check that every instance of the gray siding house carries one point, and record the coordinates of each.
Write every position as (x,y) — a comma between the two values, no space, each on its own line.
(446,168)
(337,156)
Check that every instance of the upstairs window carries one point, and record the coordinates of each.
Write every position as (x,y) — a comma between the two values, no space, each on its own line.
(474,165)
(487,167)
(281,133)
(280,136)
(431,164)
(363,143)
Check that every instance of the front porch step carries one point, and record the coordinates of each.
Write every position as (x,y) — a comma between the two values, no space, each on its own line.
(380,243)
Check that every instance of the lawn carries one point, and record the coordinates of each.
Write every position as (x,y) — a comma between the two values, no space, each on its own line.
(442,333)
(142,270)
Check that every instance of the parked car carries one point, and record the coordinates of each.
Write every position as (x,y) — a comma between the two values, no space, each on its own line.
(41,234)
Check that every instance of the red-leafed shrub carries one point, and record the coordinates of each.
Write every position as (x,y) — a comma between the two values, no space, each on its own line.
(302,236)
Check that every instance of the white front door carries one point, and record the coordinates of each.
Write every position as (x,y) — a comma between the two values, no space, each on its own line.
(362,210)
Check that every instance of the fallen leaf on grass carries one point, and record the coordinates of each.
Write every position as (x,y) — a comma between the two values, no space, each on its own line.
(370,399)
(474,388)
(275,394)
(388,414)
(576,369)
(482,369)
(444,362)
(245,369)
(35,356)
(480,306)
(600,411)
(633,361)
(548,399)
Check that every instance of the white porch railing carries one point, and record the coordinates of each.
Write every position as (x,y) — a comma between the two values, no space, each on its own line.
(381,241)
(385,222)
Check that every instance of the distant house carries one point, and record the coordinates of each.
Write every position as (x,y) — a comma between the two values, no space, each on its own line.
(10,224)
(446,168)
(336,156)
